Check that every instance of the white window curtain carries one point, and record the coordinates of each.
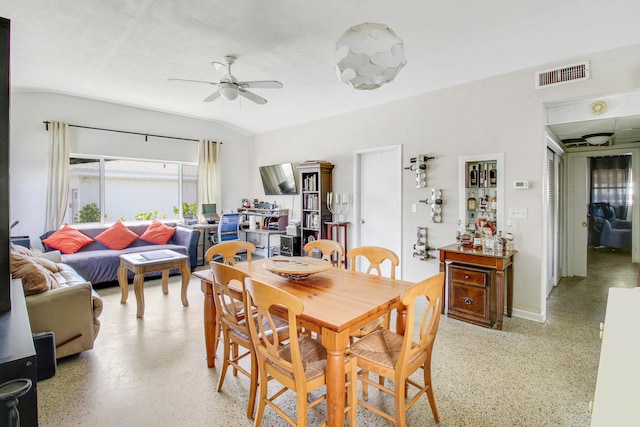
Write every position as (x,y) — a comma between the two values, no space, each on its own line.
(58,182)
(208,174)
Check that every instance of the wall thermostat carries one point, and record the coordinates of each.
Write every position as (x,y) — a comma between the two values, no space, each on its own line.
(520,185)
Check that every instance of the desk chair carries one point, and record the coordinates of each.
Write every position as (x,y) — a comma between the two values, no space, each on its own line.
(398,356)
(229,227)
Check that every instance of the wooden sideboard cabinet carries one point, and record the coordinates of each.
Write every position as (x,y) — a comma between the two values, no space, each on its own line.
(472,294)
(498,268)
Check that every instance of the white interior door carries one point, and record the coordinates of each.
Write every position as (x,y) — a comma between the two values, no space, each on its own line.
(378,199)
(578,217)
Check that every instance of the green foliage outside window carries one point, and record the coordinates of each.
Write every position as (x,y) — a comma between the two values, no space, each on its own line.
(187,209)
(89,213)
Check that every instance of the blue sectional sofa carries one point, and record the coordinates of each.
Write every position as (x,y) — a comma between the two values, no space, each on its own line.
(99,264)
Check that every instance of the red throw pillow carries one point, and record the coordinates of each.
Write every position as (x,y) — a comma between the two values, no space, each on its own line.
(67,240)
(158,233)
(117,237)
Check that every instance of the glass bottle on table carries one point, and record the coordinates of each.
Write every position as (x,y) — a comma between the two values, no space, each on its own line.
(499,243)
(509,237)
(477,239)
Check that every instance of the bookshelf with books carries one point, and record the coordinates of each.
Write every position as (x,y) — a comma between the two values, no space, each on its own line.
(315,178)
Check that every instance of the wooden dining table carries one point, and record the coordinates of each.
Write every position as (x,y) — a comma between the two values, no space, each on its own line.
(336,302)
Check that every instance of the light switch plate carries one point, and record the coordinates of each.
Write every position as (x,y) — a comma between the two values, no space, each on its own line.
(518,213)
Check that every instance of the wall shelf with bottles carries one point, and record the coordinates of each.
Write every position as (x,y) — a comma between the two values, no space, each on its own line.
(481,191)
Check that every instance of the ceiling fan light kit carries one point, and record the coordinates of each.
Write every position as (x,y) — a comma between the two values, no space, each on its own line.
(369,55)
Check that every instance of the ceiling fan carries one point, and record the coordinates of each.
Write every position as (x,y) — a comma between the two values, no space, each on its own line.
(229,87)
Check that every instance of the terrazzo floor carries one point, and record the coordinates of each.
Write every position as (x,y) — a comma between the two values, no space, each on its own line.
(152,371)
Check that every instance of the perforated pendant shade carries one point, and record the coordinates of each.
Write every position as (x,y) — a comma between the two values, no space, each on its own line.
(369,55)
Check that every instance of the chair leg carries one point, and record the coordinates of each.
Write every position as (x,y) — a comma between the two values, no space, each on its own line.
(254,385)
(302,409)
(401,416)
(225,361)
(234,354)
(432,399)
(365,386)
(262,398)
(352,391)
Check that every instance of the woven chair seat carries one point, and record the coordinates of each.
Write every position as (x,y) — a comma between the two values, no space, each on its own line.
(314,358)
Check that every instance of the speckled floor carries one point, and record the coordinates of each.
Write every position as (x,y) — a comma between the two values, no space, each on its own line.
(152,371)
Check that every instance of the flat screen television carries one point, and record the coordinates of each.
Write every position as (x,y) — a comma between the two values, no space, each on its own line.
(279,179)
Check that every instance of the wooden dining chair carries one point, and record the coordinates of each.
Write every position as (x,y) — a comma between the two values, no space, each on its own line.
(299,366)
(397,357)
(230,314)
(228,251)
(327,248)
(375,256)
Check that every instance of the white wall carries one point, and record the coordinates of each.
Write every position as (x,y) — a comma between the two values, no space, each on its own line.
(503,114)
(29,147)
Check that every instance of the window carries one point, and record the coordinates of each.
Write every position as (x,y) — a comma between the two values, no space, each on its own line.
(107,189)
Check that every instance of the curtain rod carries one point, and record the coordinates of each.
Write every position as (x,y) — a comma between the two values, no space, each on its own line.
(146,135)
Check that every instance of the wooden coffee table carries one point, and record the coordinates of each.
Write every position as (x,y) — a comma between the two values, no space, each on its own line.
(146,262)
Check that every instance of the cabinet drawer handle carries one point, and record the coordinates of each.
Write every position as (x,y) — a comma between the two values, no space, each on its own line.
(467,277)
(468,300)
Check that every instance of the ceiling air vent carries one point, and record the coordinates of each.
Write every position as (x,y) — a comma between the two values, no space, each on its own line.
(566,74)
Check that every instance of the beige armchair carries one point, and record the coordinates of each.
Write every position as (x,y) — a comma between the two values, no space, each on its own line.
(70,311)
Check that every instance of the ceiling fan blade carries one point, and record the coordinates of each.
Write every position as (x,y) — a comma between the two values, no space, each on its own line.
(252,96)
(215,95)
(192,81)
(262,84)
(220,67)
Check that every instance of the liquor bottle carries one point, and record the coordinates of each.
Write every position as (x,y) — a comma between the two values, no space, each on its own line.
(472,203)
(494,203)
(499,242)
(466,239)
(473,177)
(509,237)
(482,202)
(459,232)
(477,239)
(493,174)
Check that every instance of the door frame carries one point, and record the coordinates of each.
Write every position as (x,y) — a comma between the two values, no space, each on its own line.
(635,218)
(357,190)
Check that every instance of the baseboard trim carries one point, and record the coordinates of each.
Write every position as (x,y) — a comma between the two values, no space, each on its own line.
(529,315)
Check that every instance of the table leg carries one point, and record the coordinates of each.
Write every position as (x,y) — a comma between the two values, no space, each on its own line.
(185,272)
(210,325)
(336,345)
(500,298)
(165,282)
(138,282)
(123,282)
(401,320)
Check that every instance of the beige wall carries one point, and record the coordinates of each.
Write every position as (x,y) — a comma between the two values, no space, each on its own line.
(500,114)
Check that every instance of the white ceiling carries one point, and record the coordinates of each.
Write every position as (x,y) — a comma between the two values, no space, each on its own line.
(124,50)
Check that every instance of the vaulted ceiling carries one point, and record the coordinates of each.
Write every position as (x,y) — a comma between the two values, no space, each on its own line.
(125,50)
